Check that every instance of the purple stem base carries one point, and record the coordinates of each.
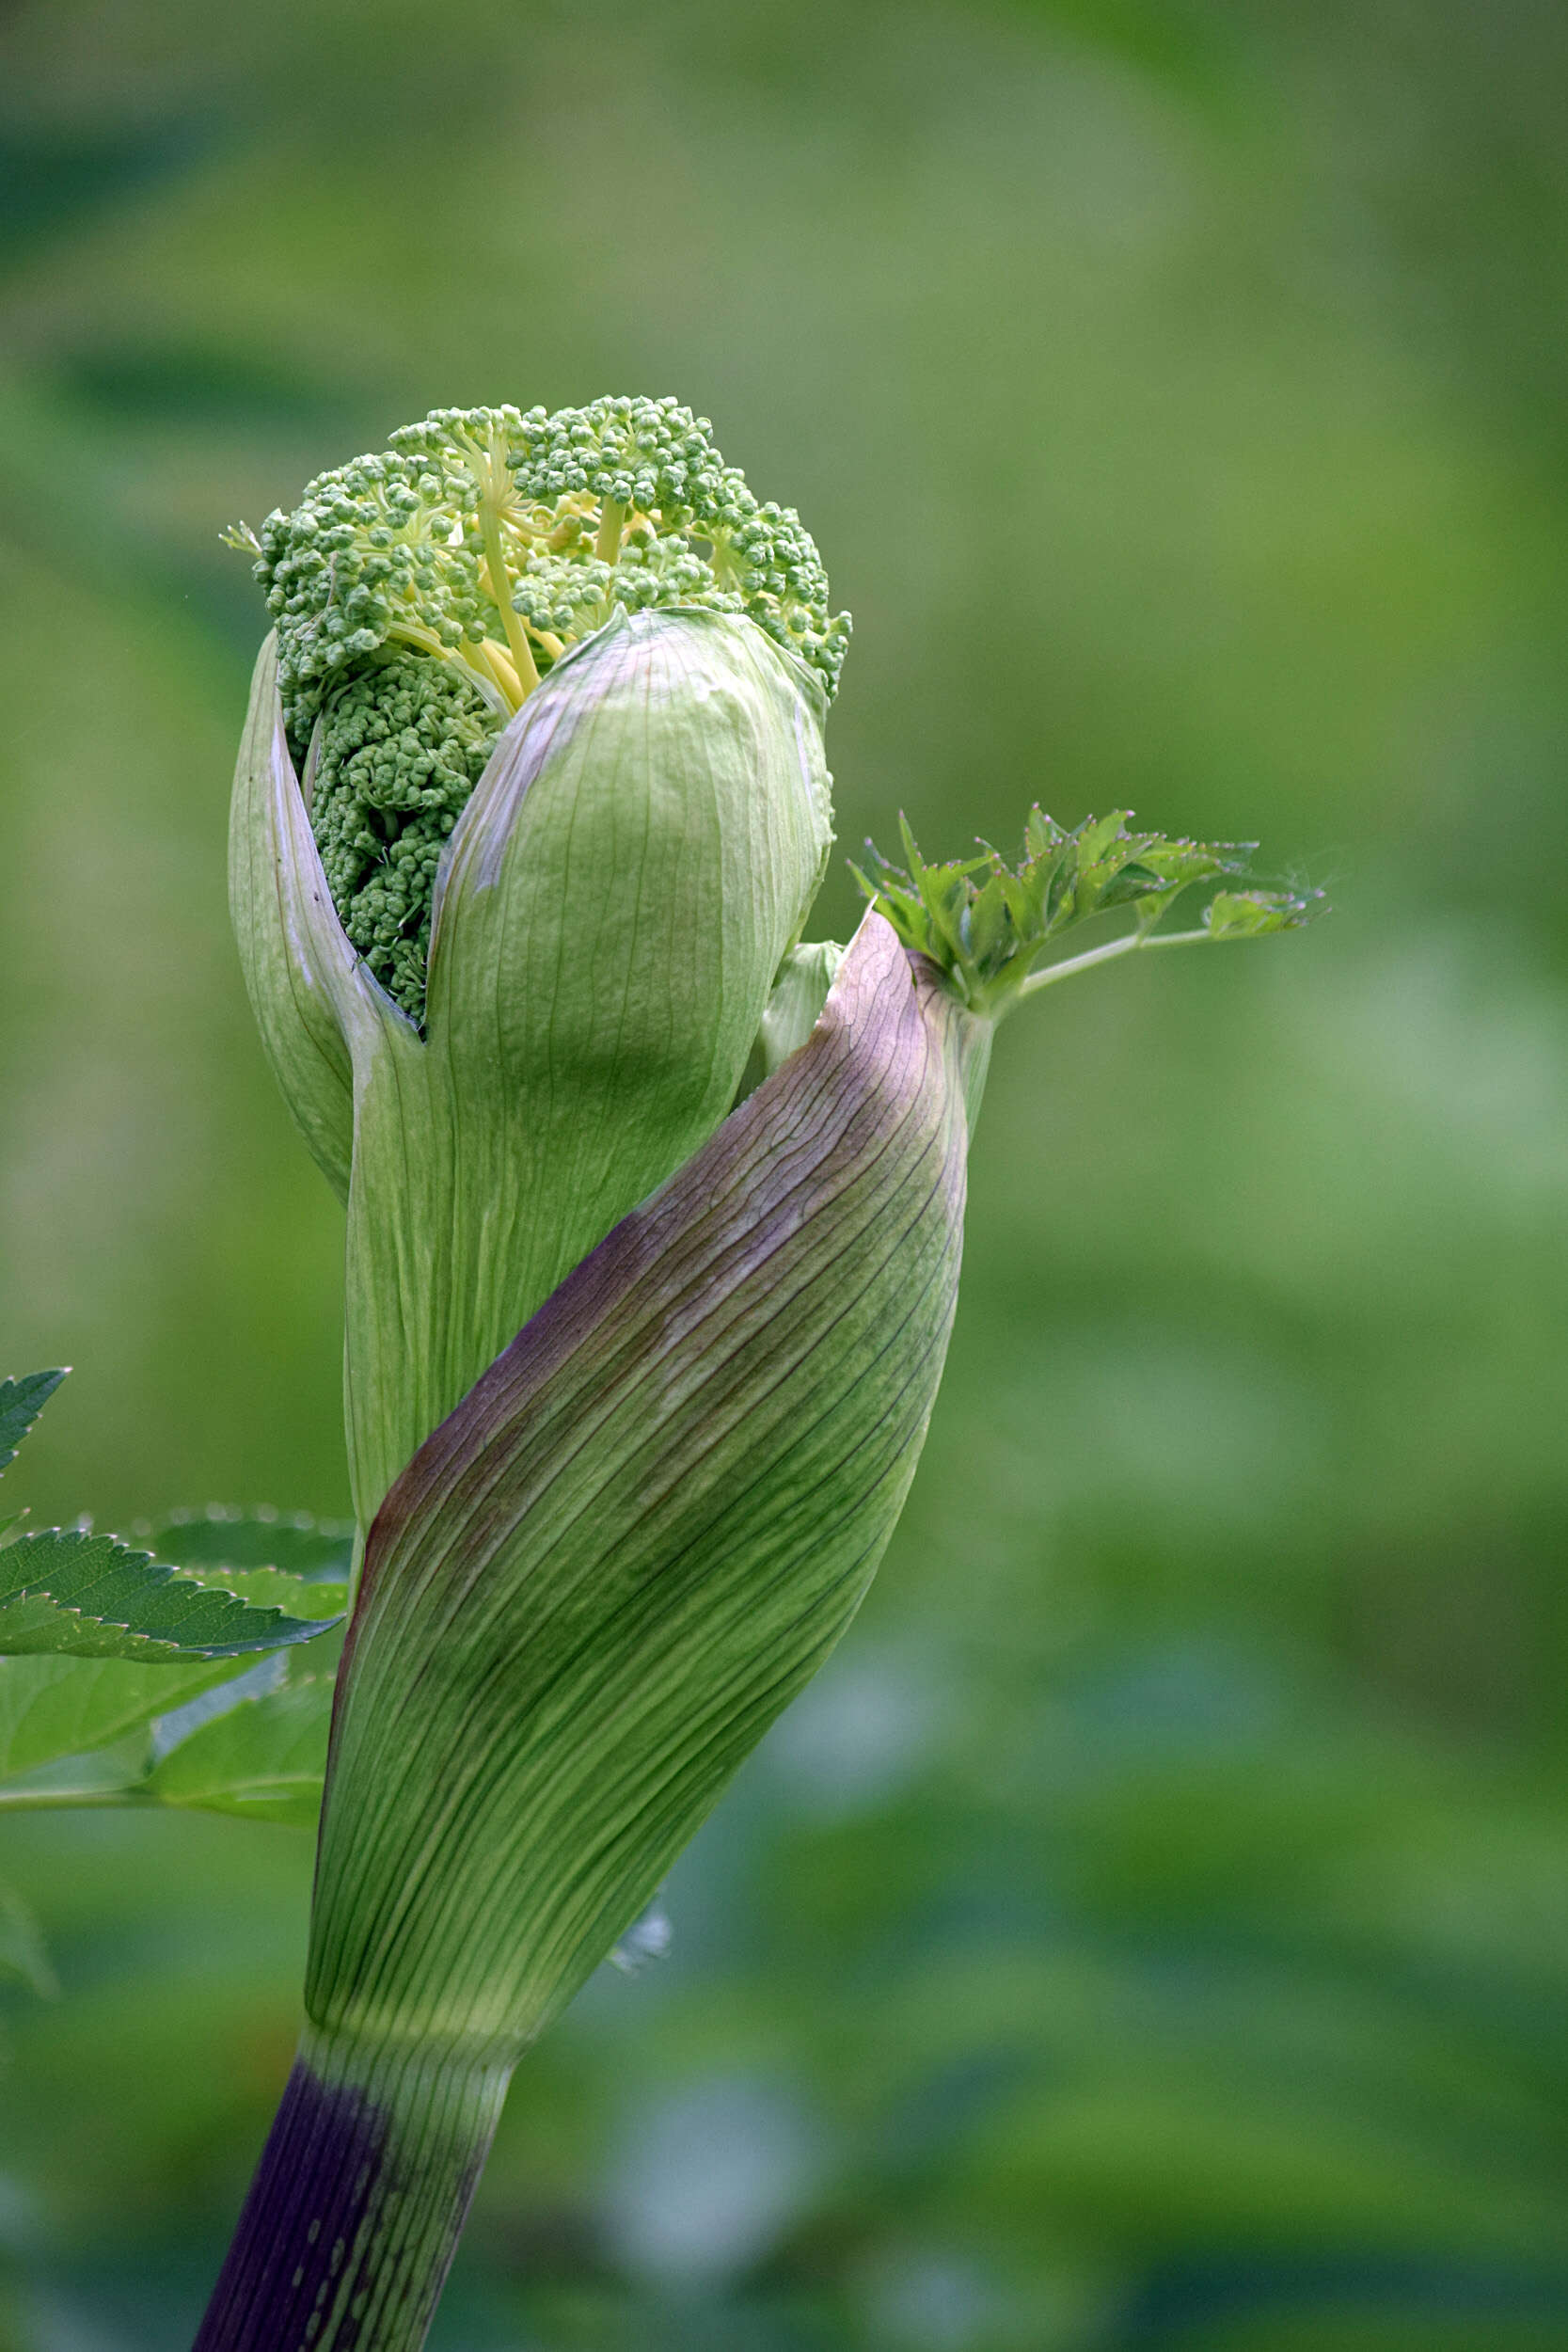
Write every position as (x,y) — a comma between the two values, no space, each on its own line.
(353,2215)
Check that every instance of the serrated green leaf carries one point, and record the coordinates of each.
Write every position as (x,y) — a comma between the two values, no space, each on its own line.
(1060,903)
(21,1400)
(991,930)
(275,1588)
(265,1758)
(297,1545)
(52,1708)
(23,1952)
(1096,835)
(1132,881)
(1013,892)
(1254,914)
(1180,863)
(66,1594)
(1041,835)
(942,888)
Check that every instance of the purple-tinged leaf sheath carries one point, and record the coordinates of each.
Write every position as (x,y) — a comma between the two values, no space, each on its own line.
(352,2217)
(640,1533)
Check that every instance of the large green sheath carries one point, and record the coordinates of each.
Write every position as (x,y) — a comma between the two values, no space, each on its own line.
(618,894)
(640,1534)
(584,1601)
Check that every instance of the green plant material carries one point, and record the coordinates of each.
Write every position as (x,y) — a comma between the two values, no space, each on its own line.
(1257,913)
(24,1955)
(56,1708)
(262,1758)
(597,1583)
(21,1400)
(397,753)
(421,594)
(66,1592)
(279,1588)
(316,1550)
(618,897)
(111,1641)
(793,1008)
(80,1733)
(68,1595)
(583,1602)
(297,963)
(985,924)
(492,540)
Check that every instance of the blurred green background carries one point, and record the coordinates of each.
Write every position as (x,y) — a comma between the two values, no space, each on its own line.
(1151,1933)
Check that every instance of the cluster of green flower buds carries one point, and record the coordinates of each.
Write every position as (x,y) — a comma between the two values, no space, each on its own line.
(421,594)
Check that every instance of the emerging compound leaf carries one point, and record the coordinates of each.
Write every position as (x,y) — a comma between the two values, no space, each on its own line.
(264,1759)
(985,925)
(20,1402)
(66,1594)
(1254,914)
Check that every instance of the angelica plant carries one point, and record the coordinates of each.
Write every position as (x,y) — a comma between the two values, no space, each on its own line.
(653,1223)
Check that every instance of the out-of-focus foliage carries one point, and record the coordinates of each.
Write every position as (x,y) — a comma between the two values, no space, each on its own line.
(1152,1930)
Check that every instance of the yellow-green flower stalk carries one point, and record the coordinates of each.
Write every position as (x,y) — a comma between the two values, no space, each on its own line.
(654,1228)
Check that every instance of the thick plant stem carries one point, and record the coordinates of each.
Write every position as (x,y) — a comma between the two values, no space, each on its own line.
(355,2209)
